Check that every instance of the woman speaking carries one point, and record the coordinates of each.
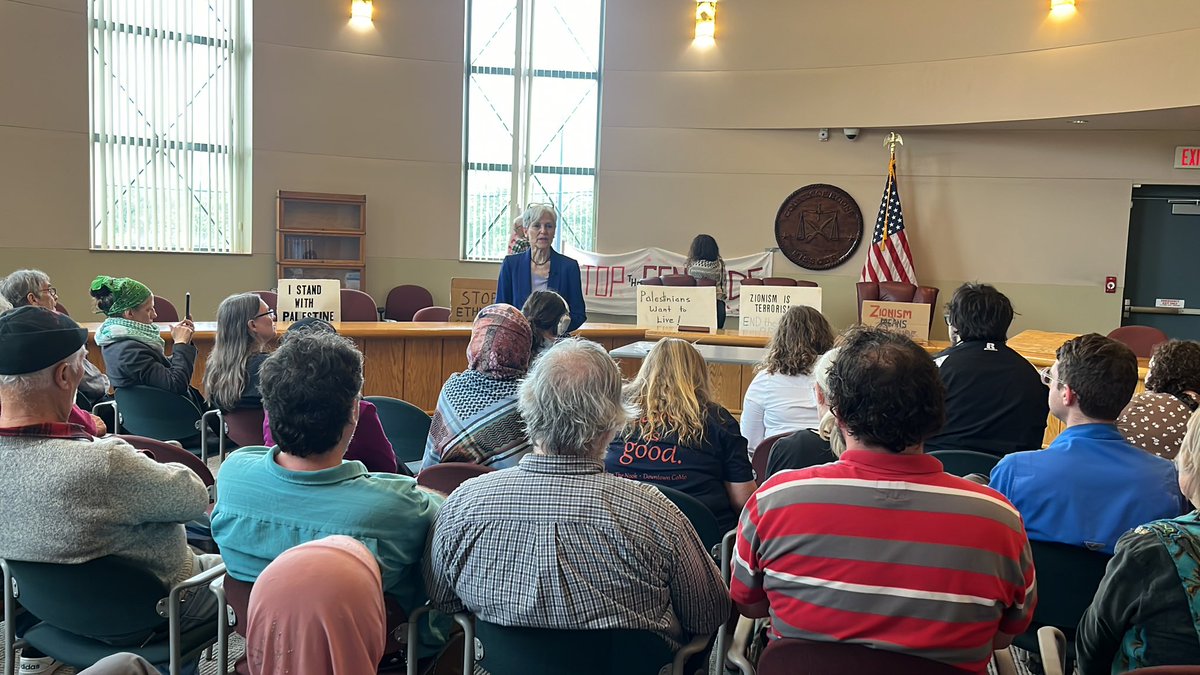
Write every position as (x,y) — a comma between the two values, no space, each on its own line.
(540,268)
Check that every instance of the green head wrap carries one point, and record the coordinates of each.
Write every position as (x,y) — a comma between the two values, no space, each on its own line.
(127,293)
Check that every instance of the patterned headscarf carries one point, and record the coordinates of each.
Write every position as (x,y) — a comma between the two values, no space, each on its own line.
(127,293)
(501,340)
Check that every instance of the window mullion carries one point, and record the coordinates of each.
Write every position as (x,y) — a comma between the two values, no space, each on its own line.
(517,189)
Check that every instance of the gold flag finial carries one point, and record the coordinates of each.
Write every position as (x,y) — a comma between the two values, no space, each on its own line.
(893,139)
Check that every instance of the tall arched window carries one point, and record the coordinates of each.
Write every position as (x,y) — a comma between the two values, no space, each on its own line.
(532,118)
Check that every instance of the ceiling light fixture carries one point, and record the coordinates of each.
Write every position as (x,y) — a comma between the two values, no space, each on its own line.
(1061,9)
(706,23)
(361,12)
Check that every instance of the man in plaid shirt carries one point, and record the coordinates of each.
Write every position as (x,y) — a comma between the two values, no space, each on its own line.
(557,543)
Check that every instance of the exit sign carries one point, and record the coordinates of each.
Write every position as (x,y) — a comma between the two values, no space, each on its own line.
(1187,157)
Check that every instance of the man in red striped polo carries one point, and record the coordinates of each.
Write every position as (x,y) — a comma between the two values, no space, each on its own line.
(882,548)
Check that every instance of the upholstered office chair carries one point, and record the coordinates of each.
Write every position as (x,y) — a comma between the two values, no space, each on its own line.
(404,301)
(778,281)
(896,291)
(752,281)
(1141,339)
(762,455)
(269,297)
(785,656)
(432,314)
(358,306)
(447,476)
(678,280)
(165,310)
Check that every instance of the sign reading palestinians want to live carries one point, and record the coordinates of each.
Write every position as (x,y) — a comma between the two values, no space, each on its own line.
(609,280)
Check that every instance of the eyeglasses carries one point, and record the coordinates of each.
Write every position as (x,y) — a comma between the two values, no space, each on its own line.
(51,290)
(269,312)
(1047,378)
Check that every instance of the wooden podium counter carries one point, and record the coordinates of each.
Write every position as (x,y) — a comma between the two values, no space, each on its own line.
(406,360)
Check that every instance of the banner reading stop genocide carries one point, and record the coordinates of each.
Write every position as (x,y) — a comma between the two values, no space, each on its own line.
(609,278)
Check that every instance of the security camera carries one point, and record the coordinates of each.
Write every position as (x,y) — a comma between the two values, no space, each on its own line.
(851,134)
(822,135)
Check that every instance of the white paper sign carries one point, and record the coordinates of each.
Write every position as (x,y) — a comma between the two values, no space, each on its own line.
(670,307)
(908,318)
(303,298)
(1170,303)
(763,307)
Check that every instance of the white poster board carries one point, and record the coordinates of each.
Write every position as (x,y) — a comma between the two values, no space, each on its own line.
(303,298)
(909,318)
(672,307)
(763,307)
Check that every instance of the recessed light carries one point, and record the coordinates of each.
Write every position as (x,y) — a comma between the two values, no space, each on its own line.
(1079,121)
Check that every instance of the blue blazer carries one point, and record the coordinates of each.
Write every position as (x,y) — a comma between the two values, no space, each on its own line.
(516,283)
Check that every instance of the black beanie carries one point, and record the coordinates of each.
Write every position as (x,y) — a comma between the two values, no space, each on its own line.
(33,338)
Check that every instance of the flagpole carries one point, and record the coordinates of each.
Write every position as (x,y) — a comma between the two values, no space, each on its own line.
(893,139)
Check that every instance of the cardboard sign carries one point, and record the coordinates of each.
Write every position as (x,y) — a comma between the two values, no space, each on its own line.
(468,296)
(763,307)
(302,298)
(676,307)
(909,318)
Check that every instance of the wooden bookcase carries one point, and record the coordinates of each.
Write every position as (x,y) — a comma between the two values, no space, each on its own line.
(321,236)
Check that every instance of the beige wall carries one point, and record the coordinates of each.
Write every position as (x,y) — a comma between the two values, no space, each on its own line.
(691,141)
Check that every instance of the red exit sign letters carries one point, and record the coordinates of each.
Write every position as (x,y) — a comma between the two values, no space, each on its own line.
(1187,157)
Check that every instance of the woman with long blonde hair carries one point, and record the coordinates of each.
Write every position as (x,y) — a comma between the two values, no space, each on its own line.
(683,439)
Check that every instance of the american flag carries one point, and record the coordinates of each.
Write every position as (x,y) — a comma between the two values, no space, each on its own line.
(889,258)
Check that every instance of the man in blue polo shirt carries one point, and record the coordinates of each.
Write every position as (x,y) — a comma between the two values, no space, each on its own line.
(1090,485)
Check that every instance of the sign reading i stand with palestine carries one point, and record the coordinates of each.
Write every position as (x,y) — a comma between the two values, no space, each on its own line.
(763,307)
(304,298)
(677,307)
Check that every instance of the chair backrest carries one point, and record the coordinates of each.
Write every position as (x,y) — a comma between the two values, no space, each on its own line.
(109,598)
(896,291)
(699,515)
(237,594)
(778,281)
(651,281)
(752,281)
(158,414)
(786,656)
(405,425)
(269,297)
(509,650)
(358,306)
(706,282)
(165,452)
(1067,579)
(762,455)
(165,310)
(404,301)
(963,462)
(678,280)
(1141,339)
(432,314)
(447,476)
(60,309)
(245,425)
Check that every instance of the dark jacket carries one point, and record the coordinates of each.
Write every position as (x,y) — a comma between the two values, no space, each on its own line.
(130,363)
(516,283)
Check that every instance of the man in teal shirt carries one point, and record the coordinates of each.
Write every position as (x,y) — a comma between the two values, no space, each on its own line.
(271,499)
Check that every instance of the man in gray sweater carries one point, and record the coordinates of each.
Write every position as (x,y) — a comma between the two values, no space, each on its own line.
(69,497)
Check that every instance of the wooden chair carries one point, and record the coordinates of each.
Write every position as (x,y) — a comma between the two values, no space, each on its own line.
(1141,339)
(358,306)
(432,314)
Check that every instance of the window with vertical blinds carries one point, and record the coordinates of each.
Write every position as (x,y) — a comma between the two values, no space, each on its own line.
(169,108)
(532,119)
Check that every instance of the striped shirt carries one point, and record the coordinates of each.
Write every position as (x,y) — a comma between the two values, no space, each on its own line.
(888,551)
(558,543)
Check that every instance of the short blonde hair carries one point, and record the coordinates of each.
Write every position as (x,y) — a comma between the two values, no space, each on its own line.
(1188,457)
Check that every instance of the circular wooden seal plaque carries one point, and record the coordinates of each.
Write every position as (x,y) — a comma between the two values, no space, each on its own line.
(818,226)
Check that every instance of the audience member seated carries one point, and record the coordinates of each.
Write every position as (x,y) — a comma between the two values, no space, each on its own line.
(684,439)
(33,287)
(245,329)
(556,542)
(369,444)
(995,402)
(1147,608)
(476,420)
(810,447)
(133,351)
(1155,419)
(269,500)
(882,548)
(70,498)
(548,316)
(318,609)
(780,399)
(1090,485)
